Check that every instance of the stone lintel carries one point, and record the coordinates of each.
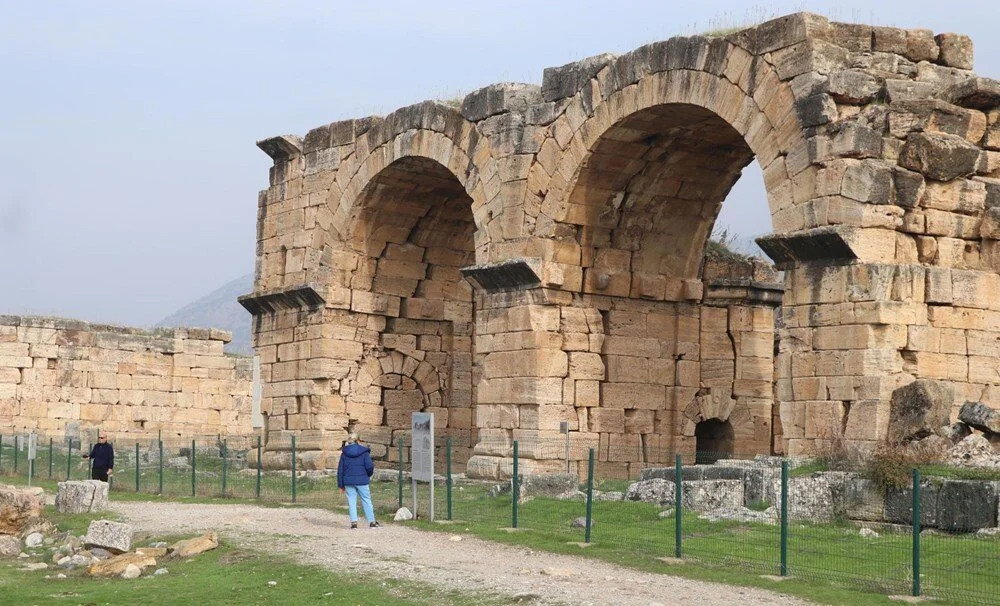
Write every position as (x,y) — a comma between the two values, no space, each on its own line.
(294,297)
(515,274)
(823,244)
(282,147)
(743,291)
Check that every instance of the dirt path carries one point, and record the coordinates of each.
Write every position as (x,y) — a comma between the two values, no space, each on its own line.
(316,536)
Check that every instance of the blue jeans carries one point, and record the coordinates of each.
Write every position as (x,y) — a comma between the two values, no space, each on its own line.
(366,502)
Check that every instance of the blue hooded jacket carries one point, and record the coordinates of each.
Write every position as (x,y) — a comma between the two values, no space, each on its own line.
(355,467)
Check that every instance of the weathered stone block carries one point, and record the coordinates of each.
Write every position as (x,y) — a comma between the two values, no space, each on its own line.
(917,410)
(965,505)
(940,157)
(82,496)
(899,505)
(116,537)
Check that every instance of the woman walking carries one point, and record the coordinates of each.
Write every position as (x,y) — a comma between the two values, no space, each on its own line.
(354,473)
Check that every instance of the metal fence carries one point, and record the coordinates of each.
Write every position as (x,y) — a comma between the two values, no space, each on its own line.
(749,514)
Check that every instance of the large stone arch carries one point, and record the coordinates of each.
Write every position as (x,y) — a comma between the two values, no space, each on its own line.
(882,170)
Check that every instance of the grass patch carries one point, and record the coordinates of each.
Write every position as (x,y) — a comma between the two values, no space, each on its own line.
(224,576)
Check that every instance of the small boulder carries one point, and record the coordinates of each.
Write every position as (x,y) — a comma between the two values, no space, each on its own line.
(113,567)
(160,571)
(548,484)
(919,409)
(666,513)
(10,546)
(154,552)
(194,546)
(868,533)
(116,537)
(131,572)
(34,539)
(83,496)
(100,553)
(402,514)
(18,508)
(980,416)
(581,522)
(954,433)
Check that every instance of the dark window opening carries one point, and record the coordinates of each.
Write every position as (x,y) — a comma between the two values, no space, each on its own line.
(713,441)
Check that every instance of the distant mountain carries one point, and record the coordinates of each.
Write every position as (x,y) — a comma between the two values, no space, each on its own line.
(219,309)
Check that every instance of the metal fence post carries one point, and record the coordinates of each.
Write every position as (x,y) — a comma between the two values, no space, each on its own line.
(194,463)
(137,466)
(784,518)
(515,490)
(225,455)
(448,469)
(50,458)
(293,469)
(160,442)
(69,459)
(399,482)
(16,444)
(678,498)
(590,495)
(916,532)
(259,467)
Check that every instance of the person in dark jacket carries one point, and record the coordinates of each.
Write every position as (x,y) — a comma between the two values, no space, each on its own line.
(354,473)
(103,456)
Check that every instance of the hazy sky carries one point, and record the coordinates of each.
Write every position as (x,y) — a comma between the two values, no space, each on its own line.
(129,167)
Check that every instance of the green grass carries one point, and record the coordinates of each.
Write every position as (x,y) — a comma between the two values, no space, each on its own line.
(224,576)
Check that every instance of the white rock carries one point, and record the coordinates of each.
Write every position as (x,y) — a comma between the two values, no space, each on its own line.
(272,583)
(160,571)
(131,572)
(82,496)
(868,533)
(60,576)
(35,566)
(9,545)
(116,537)
(402,514)
(455,538)
(34,539)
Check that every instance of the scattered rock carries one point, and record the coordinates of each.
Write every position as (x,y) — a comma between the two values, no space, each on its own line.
(868,533)
(980,416)
(917,410)
(100,553)
(548,485)
(455,538)
(272,583)
(153,552)
(402,514)
(955,433)
(612,495)
(666,513)
(581,522)
(35,566)
(988,532)
(655,490)
(34,539)
(60,576)
(18,508)
(115,566)
(742,514)
(158,544)
(116,537)
(10,545)
(558,572)
(974,451)
(194,546)
(131,572)
(160,571)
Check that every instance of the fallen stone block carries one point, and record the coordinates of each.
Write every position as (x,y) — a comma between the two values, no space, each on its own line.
(919,409)
(980,416)
(18,508)
(966,505)
(116,537)
(548,484)
(899,505)
(10,546)
(82,496)
(115,566)
(192,547)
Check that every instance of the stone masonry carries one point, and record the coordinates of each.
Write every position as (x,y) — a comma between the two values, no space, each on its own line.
(61,377)
(536,255)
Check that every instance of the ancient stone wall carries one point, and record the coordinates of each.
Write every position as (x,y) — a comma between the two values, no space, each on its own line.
(580,209)
(62,377)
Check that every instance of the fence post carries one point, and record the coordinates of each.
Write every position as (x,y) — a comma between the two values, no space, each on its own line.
(259,467)
(916,532)
(50,458)
(293,469)
(515,490)
(225,455)
(590,495)
(137,466)
(399,482)
(194,463)
(784,518)
(448,469)
(1,453)
(15,453)
(69,459)
(160,442)
(678,498)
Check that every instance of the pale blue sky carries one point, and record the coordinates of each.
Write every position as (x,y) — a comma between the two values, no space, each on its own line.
(129,167)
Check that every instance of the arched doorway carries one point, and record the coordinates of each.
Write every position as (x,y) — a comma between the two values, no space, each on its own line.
(713,440)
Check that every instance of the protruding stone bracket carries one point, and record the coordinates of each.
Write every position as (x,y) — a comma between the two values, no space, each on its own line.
(743,291)
(826,244)
(304,296)
(282,147)
(509,275)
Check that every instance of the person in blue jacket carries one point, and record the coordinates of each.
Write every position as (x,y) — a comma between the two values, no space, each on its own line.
(103,456)
(354,473)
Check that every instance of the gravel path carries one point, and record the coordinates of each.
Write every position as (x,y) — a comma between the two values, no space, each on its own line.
(460,562)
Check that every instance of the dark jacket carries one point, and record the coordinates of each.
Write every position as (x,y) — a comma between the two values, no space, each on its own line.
(103,456)
(355,467)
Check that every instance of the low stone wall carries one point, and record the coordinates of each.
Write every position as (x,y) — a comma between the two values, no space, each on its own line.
(61,377)
(727,490)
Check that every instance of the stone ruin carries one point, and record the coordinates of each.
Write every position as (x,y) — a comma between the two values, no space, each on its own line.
(536,255)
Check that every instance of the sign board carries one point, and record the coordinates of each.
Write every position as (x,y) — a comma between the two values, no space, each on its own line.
(422,446)
(32,446)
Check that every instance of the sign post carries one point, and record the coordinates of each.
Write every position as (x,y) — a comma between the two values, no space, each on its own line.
(32,451)
(422,455)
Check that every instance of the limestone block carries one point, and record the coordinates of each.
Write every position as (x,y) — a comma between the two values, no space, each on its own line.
(607,419)
(921,46)
(116,537)
(965,505)
(82,496)
(939,156)
(117,565)
(980,416)
(917,410)
(633,395)
(955,50)
(19,507)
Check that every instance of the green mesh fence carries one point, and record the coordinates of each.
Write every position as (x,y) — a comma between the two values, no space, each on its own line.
(762,515)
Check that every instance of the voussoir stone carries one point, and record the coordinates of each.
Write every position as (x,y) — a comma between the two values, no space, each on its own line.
(941,157)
